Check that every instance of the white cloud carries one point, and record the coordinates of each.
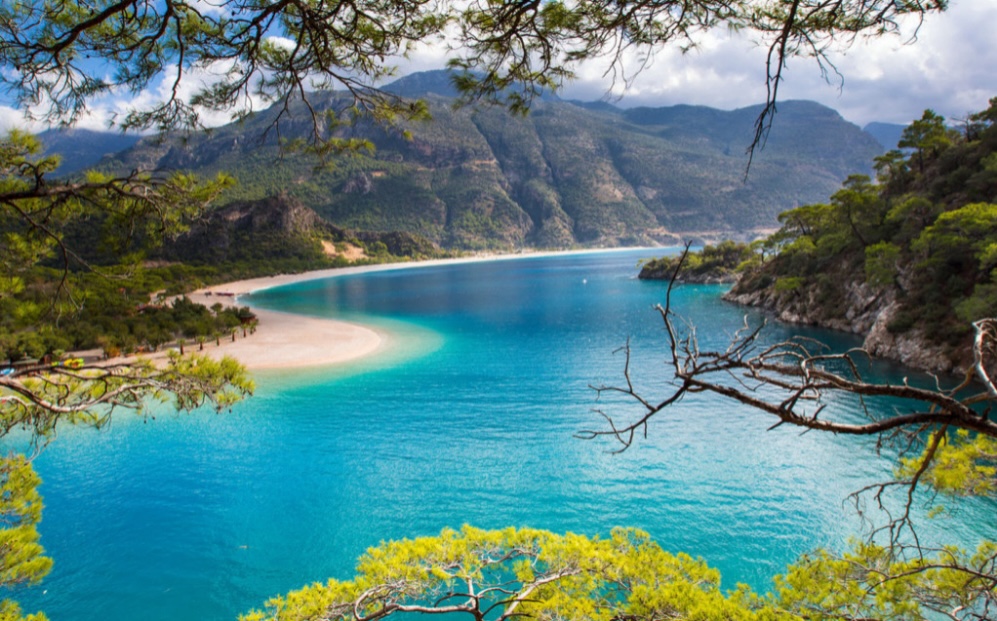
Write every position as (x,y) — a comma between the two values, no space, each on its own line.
(948,68)
(281,42)
(109,110)
(11,118)
(214,8)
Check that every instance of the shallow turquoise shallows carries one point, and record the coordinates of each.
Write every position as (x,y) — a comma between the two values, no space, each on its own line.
(468,417)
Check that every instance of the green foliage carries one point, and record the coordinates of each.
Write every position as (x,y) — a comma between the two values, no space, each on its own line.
(910,215)
(963,464)
(957,256)
(116,312)
(928,137)
(719,263)
(962,235)
(901,322)
(882,264)
(982,302)
(538,574)
(789,283)
(21,560)
(10,611)
(872,583)
(925,235)
(136,209)
(858,206)
(521,572)
(52,298)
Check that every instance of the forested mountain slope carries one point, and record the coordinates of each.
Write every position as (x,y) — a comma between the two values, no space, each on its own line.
(908,262)
(565,175)
(281,233)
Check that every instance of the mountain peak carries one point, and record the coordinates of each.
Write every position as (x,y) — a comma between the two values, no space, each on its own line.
(422,83)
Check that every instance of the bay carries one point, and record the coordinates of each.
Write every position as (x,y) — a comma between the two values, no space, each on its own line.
(467,417)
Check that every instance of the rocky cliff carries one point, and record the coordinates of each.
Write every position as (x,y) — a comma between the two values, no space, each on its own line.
(867,312)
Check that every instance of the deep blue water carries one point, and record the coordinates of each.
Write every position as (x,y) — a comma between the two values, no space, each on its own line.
(467,418)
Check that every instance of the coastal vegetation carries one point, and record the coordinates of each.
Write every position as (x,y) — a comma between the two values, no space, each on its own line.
(129,315)
(720,263)
(917,245)
(905,260)
(513,573)
(942,439)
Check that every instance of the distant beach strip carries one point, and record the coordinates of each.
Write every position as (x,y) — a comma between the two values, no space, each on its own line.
(286,340)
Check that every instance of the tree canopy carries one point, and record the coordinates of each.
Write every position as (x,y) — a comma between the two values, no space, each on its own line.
(529,573)
(513,573)
(921,235)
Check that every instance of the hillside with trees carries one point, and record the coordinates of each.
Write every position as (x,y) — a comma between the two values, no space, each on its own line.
(907,261)
(128,307)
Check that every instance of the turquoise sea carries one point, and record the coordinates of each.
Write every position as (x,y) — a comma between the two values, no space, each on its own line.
(468,417)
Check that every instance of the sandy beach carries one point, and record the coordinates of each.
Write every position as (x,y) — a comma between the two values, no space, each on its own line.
(284,340)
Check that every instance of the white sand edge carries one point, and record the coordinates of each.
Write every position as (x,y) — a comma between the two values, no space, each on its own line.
(284,340)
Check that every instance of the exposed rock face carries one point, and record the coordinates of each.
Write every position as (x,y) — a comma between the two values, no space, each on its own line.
(359,183)
(277,214)
(864,311)
(281,225)
(913,348)
(568,174)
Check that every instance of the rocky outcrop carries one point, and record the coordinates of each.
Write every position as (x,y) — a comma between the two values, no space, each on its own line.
(359,183)
(280,213)
(862,310)
(861,306)
(914,347)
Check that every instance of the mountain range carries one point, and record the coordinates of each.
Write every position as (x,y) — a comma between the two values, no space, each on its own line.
(567,174)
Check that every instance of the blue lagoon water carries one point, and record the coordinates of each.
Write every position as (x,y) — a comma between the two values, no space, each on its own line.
(468,417)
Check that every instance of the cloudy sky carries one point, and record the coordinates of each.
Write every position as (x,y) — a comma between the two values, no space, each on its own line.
(949,68)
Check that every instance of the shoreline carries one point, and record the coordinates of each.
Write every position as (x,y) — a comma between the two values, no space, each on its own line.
(286,341)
